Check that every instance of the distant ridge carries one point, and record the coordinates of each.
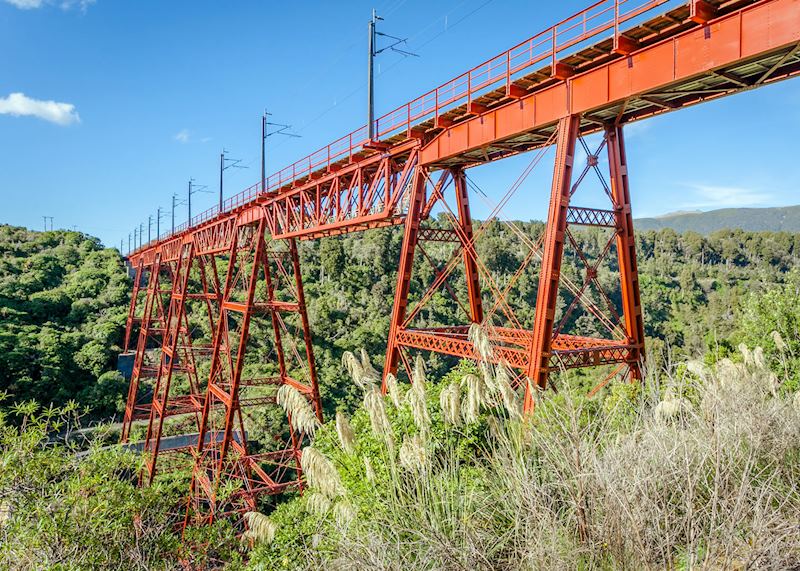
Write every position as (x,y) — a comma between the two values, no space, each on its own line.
(778,219)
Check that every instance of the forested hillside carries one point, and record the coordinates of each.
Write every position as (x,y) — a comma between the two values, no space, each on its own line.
(777,219)
(63,302)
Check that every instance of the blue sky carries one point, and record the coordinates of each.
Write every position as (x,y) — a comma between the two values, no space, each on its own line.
(121,102)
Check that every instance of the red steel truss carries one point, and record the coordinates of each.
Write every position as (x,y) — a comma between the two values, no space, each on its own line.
(166,347)
(533,352)
(615,62)
(262,279)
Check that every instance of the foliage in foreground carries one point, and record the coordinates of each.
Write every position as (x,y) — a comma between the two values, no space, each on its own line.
(63,510)
(699,469)
(599,484)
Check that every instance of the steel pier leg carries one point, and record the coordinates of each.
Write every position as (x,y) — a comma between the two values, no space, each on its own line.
(410,239)
(470,255)
(626,249)
(547,295)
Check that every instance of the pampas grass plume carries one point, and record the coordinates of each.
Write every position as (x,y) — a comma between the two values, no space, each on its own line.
(320,473)
(260,528)
(393,389)
(298,408)
(450,402)
(347,437)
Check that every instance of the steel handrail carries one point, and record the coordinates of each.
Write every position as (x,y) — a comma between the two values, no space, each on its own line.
(547,46)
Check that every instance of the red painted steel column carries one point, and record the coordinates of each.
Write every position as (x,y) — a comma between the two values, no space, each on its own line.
(547,295)
(626,249)
(153,290)
(169,350)
(199,472)
(233,406)
(470,255)
(132,308)
(301,303)
(220,388)
(410,239)
(273,313)
(276,326)
(211,293)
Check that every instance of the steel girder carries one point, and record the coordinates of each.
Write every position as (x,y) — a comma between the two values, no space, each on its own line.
(363,195)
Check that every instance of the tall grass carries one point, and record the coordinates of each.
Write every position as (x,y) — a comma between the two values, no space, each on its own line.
(697,470)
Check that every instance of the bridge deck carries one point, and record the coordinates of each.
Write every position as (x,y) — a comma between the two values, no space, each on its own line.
(655,65)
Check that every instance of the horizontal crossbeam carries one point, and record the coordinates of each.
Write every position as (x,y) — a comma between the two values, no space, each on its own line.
(511,346)
(591,217)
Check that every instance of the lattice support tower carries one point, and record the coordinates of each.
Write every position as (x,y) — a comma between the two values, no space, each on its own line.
(263,285)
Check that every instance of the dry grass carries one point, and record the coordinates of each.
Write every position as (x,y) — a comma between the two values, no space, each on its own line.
(347,438)
(298,408)
(703,474)
(320,473)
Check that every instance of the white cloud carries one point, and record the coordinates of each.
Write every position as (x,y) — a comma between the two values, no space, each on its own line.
(19,105)
(182,136)
(713,196)
(185,136)
(26,4)
(64,4)
(81,4)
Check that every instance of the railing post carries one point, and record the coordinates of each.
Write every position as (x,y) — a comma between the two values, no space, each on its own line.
(508,71)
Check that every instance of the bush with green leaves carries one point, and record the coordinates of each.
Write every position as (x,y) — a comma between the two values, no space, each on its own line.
(69,507)
(771,319)
(63,304)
